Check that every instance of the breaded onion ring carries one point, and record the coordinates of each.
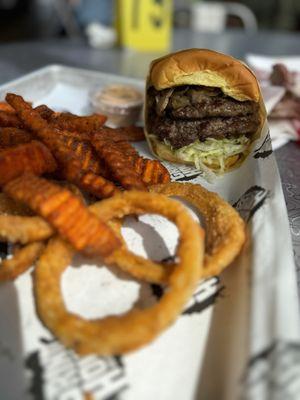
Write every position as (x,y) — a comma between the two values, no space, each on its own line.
(20,229)
(141,268)
(224,228)
(22,259)
(120,334)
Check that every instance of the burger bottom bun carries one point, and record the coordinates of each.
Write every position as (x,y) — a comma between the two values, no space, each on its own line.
(164,152)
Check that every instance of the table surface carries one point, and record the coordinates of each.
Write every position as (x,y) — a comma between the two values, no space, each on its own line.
(17,59)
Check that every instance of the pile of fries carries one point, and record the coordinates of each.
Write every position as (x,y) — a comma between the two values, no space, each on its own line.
(49,163)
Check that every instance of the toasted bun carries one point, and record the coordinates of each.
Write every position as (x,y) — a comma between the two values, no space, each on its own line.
(207,68)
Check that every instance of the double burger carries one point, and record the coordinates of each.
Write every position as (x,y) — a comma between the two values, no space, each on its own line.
(202,108)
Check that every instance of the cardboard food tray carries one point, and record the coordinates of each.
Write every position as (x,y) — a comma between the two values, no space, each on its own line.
(238,337)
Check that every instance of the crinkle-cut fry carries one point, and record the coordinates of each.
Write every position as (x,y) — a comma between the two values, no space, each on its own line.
(117,163)
(151,171)
(73,188)
(70,122)
(44,111)
(23,258)
(66,213)
(85,124)
(10,136)
(24,229)
(68,148)
(128,150)
(83,152)
(88,181)
(9,119)
(62,146)
(9,206)
(73,123)
(6,107)
(81,136)
(29,116)
(129,133)
(31,157)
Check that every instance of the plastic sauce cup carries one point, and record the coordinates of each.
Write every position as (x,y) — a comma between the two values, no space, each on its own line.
(122,104)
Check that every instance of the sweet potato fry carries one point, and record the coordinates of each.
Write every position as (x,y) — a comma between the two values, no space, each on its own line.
(32,157)
(117,163)
(13,136)
(65,212)
(75,157)
(129,133)
(151,171)
(71,122)
(62,146)
(132,133)
(128,150)
(67,148)
(7,118)
(73,188)
(6,107)
(80,127)
(81,136)
(44,111)
(92,183)
(26,113)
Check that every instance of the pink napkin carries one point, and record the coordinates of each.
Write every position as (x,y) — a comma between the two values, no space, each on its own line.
(282,129)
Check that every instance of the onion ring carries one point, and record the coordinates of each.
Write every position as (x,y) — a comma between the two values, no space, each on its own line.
(120,334)
(19,229)
(224,228)
(22,259)
(137,266)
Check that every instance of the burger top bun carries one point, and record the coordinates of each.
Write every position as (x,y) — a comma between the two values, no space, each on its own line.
(207,68)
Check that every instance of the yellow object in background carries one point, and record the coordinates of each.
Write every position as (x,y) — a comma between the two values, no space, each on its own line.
(144,25)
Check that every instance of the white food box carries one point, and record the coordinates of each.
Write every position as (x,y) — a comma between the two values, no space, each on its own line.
(238,337)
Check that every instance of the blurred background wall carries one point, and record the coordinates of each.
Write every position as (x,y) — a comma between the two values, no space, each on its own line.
(33,19)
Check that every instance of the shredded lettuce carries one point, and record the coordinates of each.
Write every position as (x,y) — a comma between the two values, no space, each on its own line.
(210,152)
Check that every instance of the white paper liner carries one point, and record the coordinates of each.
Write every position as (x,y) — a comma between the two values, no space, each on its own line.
(213,351)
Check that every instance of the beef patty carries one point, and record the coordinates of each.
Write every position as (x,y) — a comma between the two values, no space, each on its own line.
(183,132)
(184,114)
